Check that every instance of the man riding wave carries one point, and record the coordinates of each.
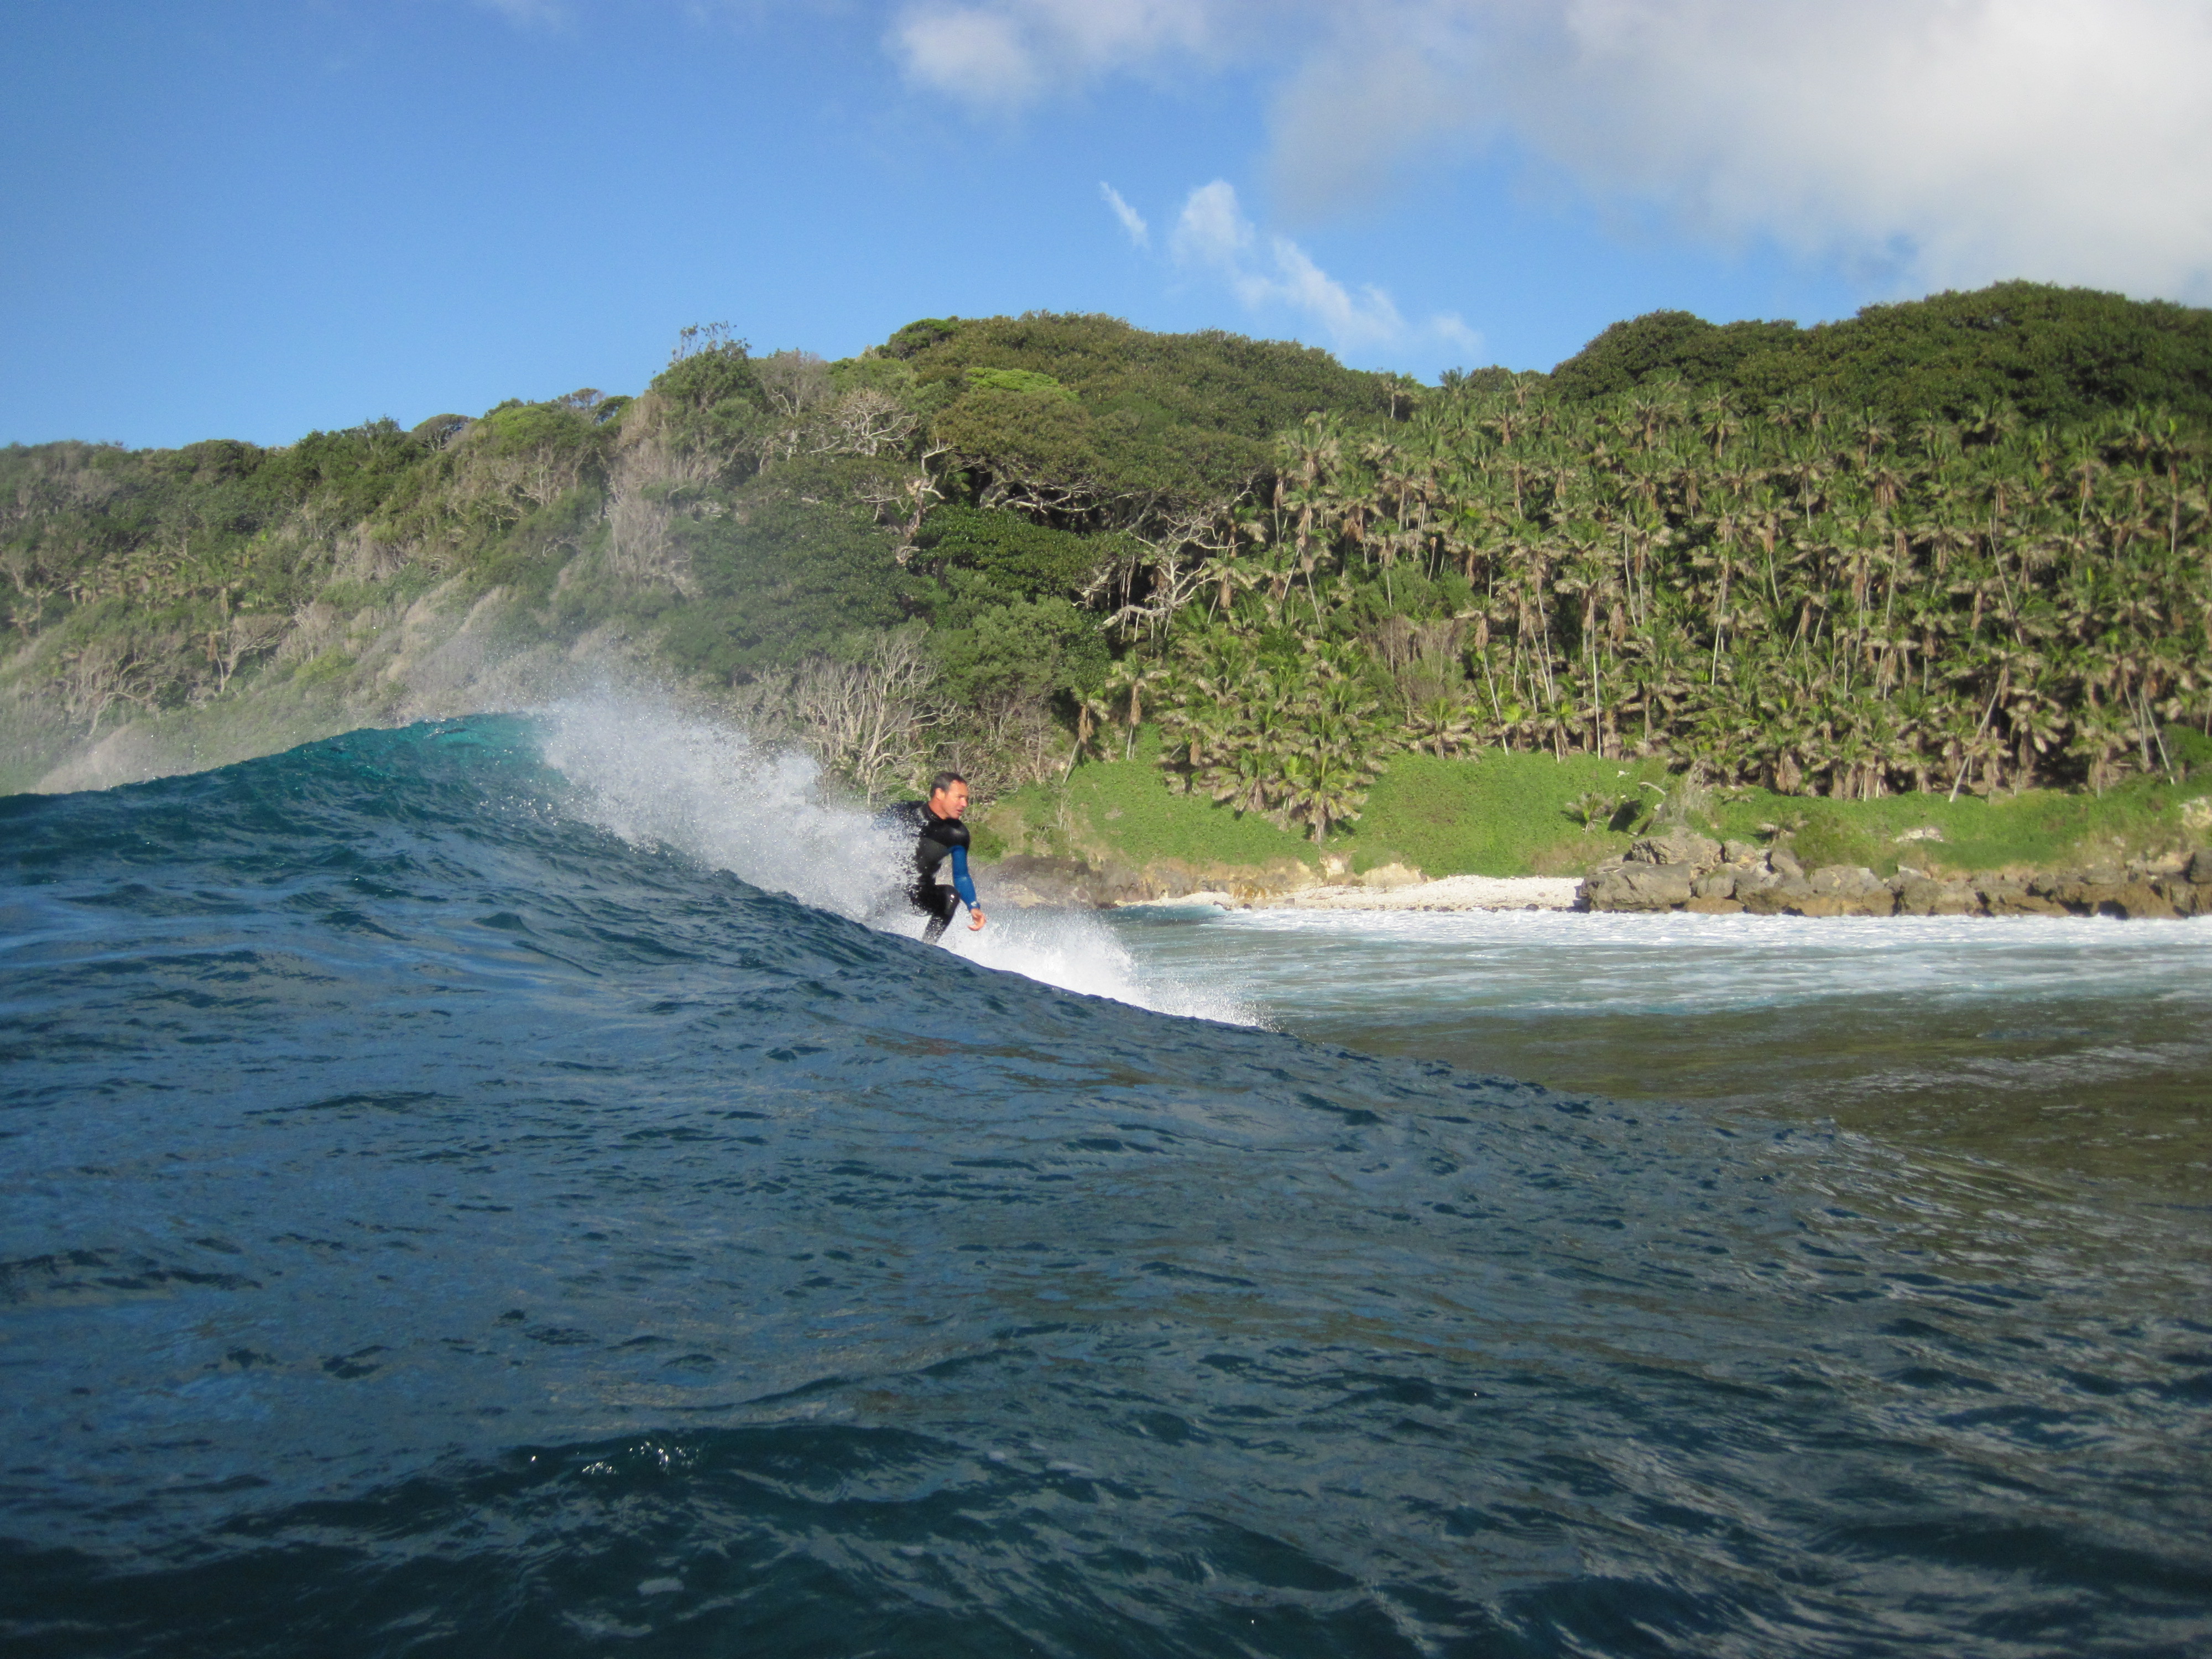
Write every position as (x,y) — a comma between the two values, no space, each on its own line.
(939,834)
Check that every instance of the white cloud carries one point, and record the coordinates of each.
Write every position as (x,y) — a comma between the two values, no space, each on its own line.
(1274,273)
(1955,141)
(1002,54)
(1964,140)
(1449,325)
(977,55)
(1132,220)
(1212,229)
(1394,81)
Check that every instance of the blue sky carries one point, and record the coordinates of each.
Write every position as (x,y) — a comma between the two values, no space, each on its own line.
(250,220)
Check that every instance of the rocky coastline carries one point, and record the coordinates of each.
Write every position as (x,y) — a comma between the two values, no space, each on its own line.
(1677,872)
(1686,871)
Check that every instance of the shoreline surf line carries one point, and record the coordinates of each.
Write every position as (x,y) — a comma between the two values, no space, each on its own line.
(1447,893)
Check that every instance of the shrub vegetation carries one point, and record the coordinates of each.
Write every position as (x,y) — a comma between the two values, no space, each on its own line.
(1953,549)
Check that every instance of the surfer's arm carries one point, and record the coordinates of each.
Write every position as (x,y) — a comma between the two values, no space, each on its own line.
(962,883)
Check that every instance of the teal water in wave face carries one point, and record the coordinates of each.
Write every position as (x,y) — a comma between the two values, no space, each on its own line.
(436,1222)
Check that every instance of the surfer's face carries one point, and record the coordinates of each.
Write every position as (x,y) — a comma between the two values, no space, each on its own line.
(950,802)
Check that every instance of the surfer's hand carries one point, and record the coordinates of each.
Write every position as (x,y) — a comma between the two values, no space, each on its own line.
(975,919)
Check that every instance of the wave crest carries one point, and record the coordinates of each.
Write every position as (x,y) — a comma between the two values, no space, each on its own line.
(658,778)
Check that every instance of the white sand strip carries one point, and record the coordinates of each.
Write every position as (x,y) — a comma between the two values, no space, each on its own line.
(1452,893)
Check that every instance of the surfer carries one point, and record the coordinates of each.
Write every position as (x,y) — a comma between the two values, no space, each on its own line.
(938,833)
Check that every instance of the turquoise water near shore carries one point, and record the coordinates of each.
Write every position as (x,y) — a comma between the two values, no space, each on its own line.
(501,1188)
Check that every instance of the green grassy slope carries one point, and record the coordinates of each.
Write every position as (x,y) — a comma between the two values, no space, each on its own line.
(1124,810)
(2037,829)
(1503,813)
(1507,814)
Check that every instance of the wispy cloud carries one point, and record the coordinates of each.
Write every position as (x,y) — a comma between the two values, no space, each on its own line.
(1958,141)
(1449,325)
(1132,220)
(1273,272)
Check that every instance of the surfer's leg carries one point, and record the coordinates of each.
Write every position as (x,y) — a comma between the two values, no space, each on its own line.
(939,904)
(947,908)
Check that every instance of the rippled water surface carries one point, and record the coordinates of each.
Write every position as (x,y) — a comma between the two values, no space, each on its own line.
(2067,1048)
(452,1202)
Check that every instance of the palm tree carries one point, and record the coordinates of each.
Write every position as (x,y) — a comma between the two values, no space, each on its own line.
(1324,789)
(1132,676)
(1441,721)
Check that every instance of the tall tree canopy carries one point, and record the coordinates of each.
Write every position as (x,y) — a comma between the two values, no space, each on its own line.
(2053,354)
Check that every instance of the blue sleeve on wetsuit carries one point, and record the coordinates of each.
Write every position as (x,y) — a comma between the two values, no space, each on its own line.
(961,885)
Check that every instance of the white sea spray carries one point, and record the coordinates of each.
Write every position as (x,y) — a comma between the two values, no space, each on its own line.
(656,776)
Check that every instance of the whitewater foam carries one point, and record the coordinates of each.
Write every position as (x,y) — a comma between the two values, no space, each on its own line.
(642,770)
(1078,953)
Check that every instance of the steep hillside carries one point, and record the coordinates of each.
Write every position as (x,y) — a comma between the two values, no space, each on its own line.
(1943,547)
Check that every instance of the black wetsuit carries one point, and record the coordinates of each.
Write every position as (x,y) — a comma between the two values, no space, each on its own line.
(934,840)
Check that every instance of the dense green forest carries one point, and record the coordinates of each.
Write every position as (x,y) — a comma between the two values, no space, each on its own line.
(2052,354)
(1956,544)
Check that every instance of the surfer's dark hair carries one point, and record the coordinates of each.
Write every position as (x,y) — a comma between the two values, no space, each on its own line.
(944,781)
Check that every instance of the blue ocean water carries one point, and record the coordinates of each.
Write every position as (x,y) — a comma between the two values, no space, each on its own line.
(446,1213)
